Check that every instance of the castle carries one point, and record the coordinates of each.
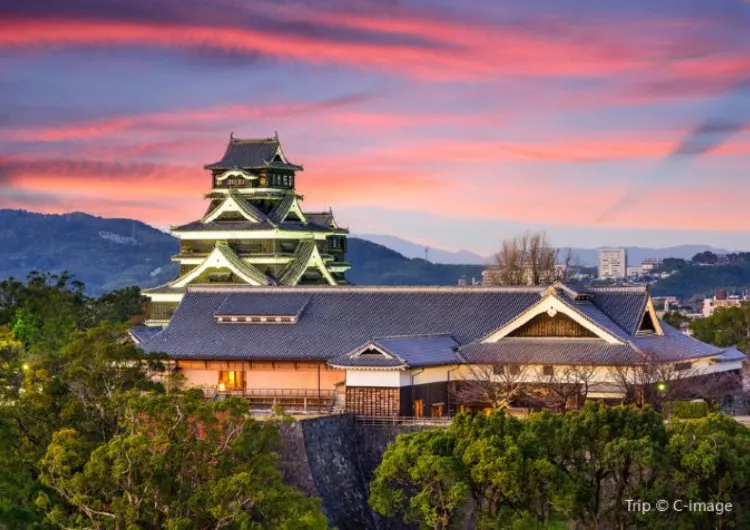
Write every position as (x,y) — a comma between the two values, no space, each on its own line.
(262,309)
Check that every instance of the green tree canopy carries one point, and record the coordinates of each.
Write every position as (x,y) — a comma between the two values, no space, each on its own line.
(181,462)
(728,326)
(568,470)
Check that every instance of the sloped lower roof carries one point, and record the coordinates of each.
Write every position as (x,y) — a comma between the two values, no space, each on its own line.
(730,355)
(143,333)
(512,350)
(673,346)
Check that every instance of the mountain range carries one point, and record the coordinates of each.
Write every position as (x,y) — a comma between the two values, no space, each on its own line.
(108,254)
(585,256)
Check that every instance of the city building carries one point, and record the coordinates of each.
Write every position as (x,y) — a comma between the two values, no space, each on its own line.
(649,264)
(400,351)
(613,263)
(722,298)
(254,231)
(633,272)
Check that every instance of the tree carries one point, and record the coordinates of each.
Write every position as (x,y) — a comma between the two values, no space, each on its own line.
(710,463)
(528,260)
(705,258)
(493,385)
(674,318)
(727,326)
(612,453)
(181,462)
(564,387)
(421,479)
(574,470)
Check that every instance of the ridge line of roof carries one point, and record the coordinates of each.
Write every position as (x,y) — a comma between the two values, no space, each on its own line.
(386,337)
(243,289)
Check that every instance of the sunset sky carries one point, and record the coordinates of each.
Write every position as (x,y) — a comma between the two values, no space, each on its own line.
(452,124)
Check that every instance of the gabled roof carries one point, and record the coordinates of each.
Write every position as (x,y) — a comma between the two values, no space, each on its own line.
(284,207)
(252,153)
(405,351)
(143,333)
(306,255)
(339,320)
(234,202)
(224,256)
(626,306)
(336,320)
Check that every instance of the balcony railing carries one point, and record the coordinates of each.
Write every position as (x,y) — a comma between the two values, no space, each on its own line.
(303,398)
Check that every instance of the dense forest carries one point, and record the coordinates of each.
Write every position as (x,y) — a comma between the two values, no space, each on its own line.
(91,439)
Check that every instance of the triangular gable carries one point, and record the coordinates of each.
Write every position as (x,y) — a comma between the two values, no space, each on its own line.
(307,255)
(288,205)
(371,348)
(224,257)
(650,322)
(551,305)
(546,325)
(235,203)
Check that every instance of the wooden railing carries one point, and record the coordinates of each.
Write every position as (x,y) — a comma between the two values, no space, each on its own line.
(277,392)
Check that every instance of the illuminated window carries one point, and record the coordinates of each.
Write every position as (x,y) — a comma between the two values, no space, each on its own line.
(231,380)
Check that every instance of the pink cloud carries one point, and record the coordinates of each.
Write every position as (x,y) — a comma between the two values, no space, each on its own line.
(469,50)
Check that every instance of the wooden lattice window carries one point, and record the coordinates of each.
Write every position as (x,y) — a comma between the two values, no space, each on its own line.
(559,325)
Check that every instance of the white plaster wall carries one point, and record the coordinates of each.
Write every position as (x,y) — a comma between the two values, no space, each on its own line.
(434,374)
(377,378)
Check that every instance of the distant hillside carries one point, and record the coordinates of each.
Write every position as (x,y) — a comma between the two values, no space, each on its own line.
(374,264)
(696,280)
(435,255)
(107,254)
(586,256)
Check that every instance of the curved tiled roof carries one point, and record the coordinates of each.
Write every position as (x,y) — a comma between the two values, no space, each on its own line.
(339,320)
(251,153)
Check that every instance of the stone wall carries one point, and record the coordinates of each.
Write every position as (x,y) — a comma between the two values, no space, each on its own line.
(334,458)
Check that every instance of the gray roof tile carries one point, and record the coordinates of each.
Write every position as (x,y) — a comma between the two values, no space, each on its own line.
(625,307)
(730,355)
(335,321)
(243,305)
(673,346)
(512,350)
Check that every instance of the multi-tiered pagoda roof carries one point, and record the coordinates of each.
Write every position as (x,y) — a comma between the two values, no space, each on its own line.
(254,231)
